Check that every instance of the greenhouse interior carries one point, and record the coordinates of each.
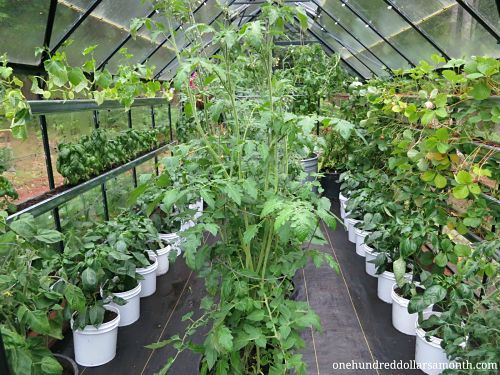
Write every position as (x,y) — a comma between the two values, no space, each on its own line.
(260,187)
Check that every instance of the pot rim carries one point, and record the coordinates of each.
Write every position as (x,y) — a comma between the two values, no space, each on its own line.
(434,341)
(151,268)
(361,232)
(103,328)
(129,294)
(370,250)
(402,301)
(169,236)
(73,364)
(159,252)
(310,158)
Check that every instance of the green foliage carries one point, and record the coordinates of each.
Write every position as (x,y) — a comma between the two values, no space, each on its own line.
(98,152)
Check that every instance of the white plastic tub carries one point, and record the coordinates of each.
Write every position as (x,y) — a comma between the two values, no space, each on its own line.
(174,240)
(162,256)
(131,311)
(350,227)
(386,282)
(370,254)
(343,203)
(428,354)
(402,320)
(360,240)
(96,346)
(148,284)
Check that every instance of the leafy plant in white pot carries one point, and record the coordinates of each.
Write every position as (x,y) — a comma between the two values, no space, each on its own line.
(94,322)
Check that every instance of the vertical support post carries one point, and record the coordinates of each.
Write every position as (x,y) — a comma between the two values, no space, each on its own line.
(170,122)
(134,170)
(153,125)
(318,109)
(50,171)
(103,185)
(4,366)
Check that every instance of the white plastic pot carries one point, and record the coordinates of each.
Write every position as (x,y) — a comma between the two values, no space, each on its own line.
(360,241)
(370,254)
(386,282)
(402,320)
(131,311)
(148,284)
(96,346)
(350,227)
(173,239)
(198,206)
(343,204)
(162,256)
(428,354)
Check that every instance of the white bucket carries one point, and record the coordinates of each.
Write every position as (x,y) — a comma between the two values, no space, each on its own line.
(173,239)
(370,254)
(162,256)
(350,228)
(343,204)
(429,353)
(360,240)
(186,225)
(131,311)
(198,206)
(386,281)
(402,320)
(96,346)
(148,284)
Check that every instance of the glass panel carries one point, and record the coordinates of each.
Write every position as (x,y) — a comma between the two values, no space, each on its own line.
(118,190)
(353,45)
(391,26)
(66,14)
(22,24)
(488,9)
(453,28)
(63,128)
(363,33)
(24,161)
(107,26)
(80,212)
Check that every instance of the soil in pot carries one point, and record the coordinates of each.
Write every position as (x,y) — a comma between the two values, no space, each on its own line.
(69,366)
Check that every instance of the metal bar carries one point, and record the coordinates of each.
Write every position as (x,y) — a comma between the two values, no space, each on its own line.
(170,122)
(337,22)
(134,170)
(26,68)
(345,46)
(121,44)
(154,50)
(333,51)
(153,125)
(75,26)
(50,26)
(242,15)
(39,107)
(55,201)
(294,42)
(160,72)
(418,29)
(346,4)
(474,14)
(103,185)
(4,365)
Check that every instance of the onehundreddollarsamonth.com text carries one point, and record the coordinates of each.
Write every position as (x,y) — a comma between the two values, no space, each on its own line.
(412,365)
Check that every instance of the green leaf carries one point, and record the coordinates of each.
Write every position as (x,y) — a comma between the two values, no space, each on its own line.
(399,267)
(51,366)
(440,181)
(38,321)
(472,222)
(48,236)
(256,315)
(441,260)
(75,297)
(407,247)
(417,304)
(462,250)
(480,91)
(428,176)
(89,279)
(463,178)
(434,294)
(250,234)
(225,338)
(474,189)
(96,315)
(427,117)
(233,192)
(460,192)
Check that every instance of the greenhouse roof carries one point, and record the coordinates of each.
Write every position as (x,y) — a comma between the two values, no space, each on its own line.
(371,36)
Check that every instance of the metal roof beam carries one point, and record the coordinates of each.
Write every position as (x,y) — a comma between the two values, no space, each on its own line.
(337,22)
(474,14)
(419,30)
(356,13)
(48,29)
(75,26)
